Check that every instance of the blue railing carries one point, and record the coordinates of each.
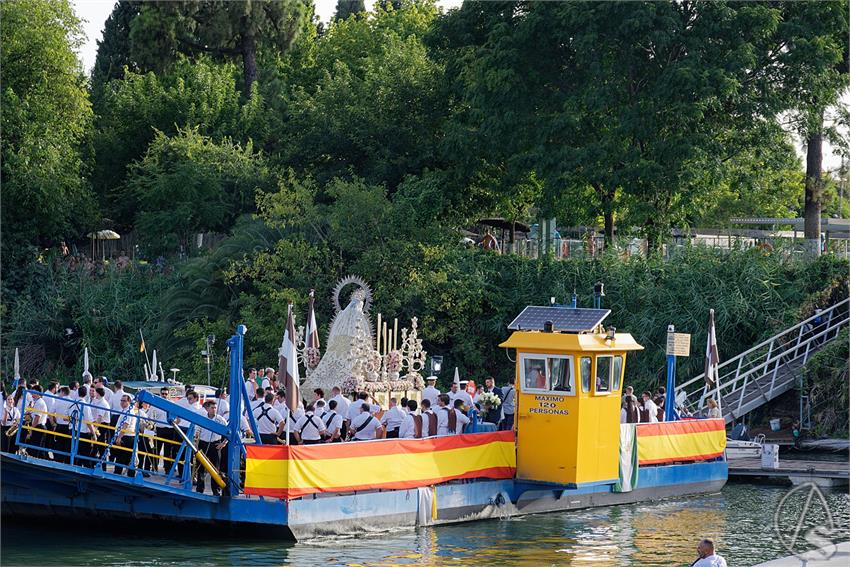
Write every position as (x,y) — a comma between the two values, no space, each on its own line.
(87,450)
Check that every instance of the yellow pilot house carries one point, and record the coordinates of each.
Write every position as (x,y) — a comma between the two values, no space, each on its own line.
(569,372)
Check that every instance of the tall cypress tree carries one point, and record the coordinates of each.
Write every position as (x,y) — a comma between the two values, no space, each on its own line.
(346,8)
(114,51)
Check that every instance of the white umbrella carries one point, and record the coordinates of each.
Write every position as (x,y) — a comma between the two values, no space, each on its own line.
(153,366)
(17,367)
(457,376)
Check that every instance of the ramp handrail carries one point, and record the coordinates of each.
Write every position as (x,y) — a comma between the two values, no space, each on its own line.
(768,358)
(91,452)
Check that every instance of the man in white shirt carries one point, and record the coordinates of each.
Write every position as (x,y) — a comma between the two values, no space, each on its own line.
(342,402)
(251,384)
(192,403)
(392,419)
(411,427)
(430,392)
(268,379)
(458,393)
(165,432)
(706,556)
(37,408)
(222,404)
(83,413)
(309,428)
(62,416)
(649,405)
(122,452)
(100,382)
(366,426)
(429,419)
(333,423)
(319,408)
(210,444)
(354,409)
(11,414)
(101,415)
(115,401)
(449,420)
(508,405)
(270,423)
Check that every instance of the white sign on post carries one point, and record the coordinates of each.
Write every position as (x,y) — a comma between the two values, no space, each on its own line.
(678,344)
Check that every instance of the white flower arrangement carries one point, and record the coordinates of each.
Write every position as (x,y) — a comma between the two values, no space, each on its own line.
(490,399)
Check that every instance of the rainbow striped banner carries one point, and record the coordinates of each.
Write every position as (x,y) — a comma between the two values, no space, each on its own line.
(292,471)
(684,440)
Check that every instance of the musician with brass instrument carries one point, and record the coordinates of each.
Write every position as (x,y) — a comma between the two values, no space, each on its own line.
(9,423)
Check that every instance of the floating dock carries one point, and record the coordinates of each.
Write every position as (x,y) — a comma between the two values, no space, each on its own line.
(822,473)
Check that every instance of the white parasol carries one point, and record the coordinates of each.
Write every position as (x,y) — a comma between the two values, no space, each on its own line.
(153,366)
(86,371)
(17,367)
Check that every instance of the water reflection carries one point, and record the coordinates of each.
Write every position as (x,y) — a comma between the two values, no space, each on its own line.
(651,534)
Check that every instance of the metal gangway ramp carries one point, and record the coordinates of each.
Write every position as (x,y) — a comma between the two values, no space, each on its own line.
(768,369)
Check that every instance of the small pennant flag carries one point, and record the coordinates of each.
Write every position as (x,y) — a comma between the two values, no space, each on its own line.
(712,358)
(142,346)
(288,363)
(312,331)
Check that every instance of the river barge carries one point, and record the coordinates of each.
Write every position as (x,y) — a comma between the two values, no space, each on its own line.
(567,451)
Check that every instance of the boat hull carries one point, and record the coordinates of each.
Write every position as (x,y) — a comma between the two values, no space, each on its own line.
(34,488)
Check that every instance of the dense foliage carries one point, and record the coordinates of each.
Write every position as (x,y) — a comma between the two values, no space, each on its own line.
(367,144)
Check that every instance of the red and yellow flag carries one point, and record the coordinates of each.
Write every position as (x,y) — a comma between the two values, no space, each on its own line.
(292,471)
(684,440)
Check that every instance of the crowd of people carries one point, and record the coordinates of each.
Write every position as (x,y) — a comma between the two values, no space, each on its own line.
(650,408)
(360,417)
(110,420)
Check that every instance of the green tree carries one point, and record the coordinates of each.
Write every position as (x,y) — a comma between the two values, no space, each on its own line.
(347,8)
(234,29)
(374,108)
(114,50)
(201,95)
(187,184)
(815,69)
(634,100)
(46,116)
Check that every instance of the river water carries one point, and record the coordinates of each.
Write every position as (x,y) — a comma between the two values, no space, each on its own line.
(741,519)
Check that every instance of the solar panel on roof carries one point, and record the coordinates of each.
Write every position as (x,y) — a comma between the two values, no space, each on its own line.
(564,319)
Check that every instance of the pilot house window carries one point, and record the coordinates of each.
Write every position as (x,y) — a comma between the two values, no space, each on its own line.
(548,373)
(603,374)
(535,376)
